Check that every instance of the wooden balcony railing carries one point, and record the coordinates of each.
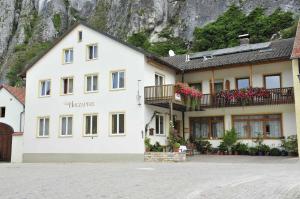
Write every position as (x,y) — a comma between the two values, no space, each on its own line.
(165,93)
(155,94)
(275,96)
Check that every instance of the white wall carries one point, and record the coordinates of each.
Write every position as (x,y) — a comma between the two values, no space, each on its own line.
(17,149)
(13,110)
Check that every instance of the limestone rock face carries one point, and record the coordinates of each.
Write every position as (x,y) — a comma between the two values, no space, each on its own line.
(27,21)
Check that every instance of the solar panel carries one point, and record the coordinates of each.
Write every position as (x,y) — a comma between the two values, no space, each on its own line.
(237,49)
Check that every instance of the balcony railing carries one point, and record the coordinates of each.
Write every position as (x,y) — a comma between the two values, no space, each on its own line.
(165,93)
(275,96)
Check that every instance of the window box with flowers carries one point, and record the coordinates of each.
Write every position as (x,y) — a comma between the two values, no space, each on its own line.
(191,96)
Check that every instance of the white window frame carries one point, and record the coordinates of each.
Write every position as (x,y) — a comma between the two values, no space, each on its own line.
(118,83)
(118,123)
(90,134)
(68,85)
(94,52)
(161,77)
(47,86)
(43,135)
(67,124)
(68,58)
(92,83)
(158,131)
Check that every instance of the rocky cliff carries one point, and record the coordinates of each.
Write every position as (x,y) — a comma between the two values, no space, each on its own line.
(29,21)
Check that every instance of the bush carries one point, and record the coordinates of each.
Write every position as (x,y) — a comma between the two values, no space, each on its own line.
(290,145)
(253,151)
(263,149)
(156,148)
(230,139)
(222,147)
(203,146)
(241,148)
(275,152)
(147,143)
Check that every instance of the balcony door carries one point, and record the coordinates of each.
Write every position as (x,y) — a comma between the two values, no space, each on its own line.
(159,82)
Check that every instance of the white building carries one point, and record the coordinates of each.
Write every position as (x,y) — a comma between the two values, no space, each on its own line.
(12,110)
(92,97)
(85,99)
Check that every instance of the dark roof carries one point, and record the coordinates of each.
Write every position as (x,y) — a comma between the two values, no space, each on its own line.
(147,54)
(240,55)
(18,93)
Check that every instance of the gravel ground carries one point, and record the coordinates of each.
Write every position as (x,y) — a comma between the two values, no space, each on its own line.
(201,177)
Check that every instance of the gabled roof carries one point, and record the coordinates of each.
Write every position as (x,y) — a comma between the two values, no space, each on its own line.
(147,54)
(18,93)
(237,56)
(296,49)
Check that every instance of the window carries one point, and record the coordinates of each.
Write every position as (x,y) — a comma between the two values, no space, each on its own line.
(218,85)
(68,56)
(242,83)
(79,36)
(117,123)
(91,82)
(92,51)
(207,127)
(91,125)
(118,79)
(159,125)
(268,126)
(197,86)
(67,85)
(45,88)
(43,126)
(272,81)
(66,123)
(159,80)
(2,112)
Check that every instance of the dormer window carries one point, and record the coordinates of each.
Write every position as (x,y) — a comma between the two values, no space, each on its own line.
(92,51)
(79,36)
(68,56)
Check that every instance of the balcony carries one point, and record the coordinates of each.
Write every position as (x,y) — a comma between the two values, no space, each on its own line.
(163,95)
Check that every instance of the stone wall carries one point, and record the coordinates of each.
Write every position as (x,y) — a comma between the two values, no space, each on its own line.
(164,157)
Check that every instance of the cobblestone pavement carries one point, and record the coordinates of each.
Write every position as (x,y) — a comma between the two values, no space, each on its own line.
(200,177)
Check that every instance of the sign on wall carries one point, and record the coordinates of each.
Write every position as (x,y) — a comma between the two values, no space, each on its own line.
(73,104)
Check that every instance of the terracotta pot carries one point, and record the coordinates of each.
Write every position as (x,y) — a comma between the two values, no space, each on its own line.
(175,149)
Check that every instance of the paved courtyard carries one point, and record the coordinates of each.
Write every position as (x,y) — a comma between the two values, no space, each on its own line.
(200,177)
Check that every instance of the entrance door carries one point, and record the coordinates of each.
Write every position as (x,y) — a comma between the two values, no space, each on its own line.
(159,82)
(5,142)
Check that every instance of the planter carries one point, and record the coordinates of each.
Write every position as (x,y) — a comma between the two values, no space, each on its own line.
(175,149)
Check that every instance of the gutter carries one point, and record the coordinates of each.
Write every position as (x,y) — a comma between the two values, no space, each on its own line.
(20,122)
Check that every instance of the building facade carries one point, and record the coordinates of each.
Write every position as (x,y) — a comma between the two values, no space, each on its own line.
(92,97)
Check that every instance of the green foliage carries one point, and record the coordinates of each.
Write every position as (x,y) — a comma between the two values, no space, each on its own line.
(147,143)
(290,145)
(241,148)
(263,149)
(56,22)
(225,30)
(99,18)
(139,40)
(291,31)
(253,151)
(230,139)
(203,146)
(156,148)
(275,152)
(23,55)
(222,147)
(176,44)
(176,145)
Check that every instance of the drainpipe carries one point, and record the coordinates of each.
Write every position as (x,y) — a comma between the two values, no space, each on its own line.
(21,114)
(182,113)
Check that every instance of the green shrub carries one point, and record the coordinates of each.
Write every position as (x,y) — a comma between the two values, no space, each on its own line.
(253,151)
(222,147)
(230,139)
(140,40)
(275,152)
(242,148)
(56,19)
(156,148)
(263,149)
(147,143)
(203,146)
(176,145)
(290,145)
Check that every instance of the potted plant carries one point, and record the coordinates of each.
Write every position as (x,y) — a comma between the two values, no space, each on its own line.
(147,144)
(290,145)
(230,139)
(252,151)
(241,148)
(176,147)
(222,148)
(203,146)
(275,152)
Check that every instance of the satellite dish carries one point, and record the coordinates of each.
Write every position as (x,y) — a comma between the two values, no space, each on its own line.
(171,53)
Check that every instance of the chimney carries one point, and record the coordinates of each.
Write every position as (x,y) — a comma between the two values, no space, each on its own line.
(244,39)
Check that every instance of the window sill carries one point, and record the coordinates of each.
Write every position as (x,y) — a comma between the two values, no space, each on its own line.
(117,89)
(91,92)
(67,63)
(65,136)
(117,135)
(46,96)
(42,136)
(92,136)
(62,94)
(92,59)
